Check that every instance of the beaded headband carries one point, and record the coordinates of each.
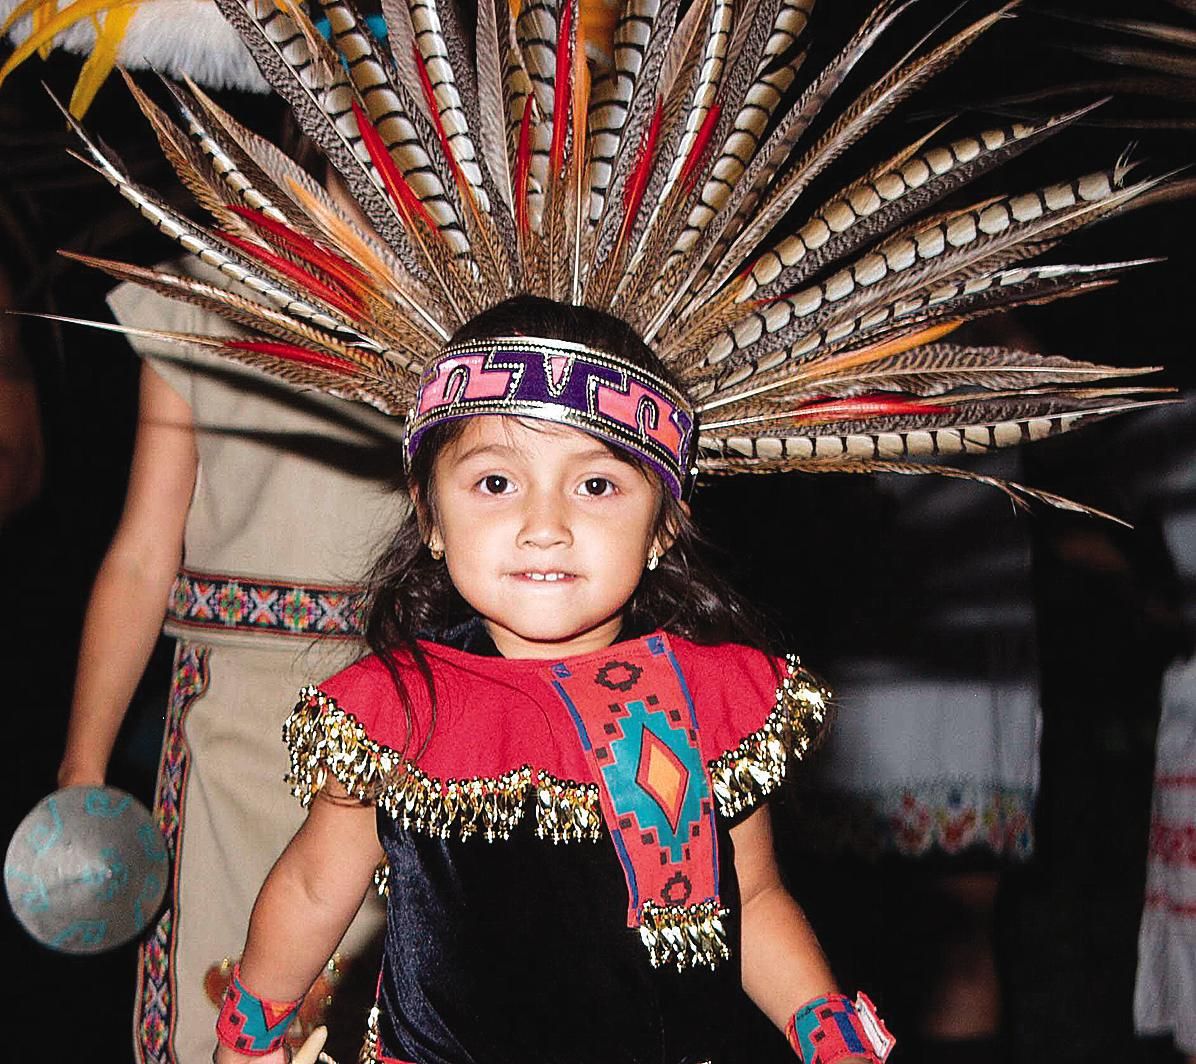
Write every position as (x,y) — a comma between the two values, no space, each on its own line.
(554,380)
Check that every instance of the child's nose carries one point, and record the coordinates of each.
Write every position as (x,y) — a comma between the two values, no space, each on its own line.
(545,522)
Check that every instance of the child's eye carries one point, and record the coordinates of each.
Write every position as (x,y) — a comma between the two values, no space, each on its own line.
(495,484)
(597,486)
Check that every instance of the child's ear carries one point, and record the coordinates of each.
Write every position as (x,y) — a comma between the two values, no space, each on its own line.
(667,535)
(428,530)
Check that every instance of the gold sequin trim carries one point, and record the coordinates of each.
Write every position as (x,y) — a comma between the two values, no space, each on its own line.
(756,767)
(684,935)
(323,739)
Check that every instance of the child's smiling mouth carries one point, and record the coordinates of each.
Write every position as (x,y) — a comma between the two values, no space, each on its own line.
(546,576)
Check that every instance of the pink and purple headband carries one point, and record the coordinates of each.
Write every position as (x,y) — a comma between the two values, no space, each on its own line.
(554,380)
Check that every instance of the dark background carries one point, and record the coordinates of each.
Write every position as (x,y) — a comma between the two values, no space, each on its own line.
(1068,919)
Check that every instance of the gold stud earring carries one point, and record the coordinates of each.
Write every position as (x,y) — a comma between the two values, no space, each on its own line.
(653,560)
(436,552)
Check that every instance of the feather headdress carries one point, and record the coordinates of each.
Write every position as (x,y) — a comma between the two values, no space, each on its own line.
(658,191)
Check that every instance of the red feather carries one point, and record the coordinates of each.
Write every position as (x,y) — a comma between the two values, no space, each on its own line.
(430,96)
(861,407)
(292,353)
(333,296)
(392,177)
(689,172)
(344,272)
(523,165)
(562,89)
(637,182)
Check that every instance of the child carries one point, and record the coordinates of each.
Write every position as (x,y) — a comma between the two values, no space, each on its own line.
(627,715)
(581,678)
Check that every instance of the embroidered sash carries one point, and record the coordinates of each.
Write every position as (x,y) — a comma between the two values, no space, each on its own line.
(212,602)
(635,718)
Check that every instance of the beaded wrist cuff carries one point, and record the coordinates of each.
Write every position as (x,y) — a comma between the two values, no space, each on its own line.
(832,1028)
(249,1024)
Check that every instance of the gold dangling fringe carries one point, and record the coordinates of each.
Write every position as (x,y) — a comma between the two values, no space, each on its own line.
(567,811)
(493,806)
(684,935)
(382,878)
(756,767)
(325,740)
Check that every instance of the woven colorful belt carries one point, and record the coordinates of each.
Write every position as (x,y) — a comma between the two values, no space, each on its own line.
(210,602)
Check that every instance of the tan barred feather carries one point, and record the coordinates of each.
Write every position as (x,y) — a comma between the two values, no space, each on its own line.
(693,233)
(893,324)
(964,244)
(211,248)
(189,162)
(322,104)
(245,180)
(611,102)
(352,383)
(401,123)
(492,106)
(912,181)
(756,218)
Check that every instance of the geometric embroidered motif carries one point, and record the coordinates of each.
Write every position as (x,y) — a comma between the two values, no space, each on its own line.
(662,774)
(205,601)
(949,816)
(155,1005)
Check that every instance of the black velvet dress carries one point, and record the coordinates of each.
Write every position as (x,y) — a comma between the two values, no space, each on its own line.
(519,952)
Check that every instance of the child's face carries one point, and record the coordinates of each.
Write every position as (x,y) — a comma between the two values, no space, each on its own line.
(545,533)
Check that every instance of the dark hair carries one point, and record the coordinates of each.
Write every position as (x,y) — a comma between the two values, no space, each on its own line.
(410,594)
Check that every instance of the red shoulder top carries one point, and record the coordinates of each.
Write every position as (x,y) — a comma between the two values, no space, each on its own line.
(643,742)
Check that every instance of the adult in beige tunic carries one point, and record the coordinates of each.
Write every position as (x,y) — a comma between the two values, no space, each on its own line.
(275,502)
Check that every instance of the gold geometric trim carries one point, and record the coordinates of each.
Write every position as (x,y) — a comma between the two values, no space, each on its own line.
(325,740)
(757,766)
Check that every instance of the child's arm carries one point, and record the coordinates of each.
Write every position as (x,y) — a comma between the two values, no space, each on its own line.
(307,903)
(783,965)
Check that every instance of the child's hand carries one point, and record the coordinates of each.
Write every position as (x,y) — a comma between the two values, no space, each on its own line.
(308,1053)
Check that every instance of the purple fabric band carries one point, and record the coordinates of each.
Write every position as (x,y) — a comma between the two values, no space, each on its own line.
(553,380)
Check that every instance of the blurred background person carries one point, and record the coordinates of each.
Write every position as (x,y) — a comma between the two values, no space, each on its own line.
(250,515)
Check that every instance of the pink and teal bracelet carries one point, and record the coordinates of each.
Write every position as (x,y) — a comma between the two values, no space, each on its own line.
(834,1027)
(252,1025)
